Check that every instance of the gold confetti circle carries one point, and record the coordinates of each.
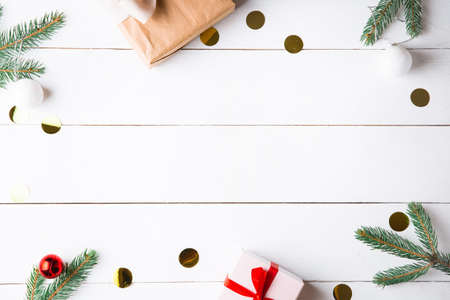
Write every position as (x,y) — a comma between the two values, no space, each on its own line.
(399,221)
(293,44)
(420,97)
(17,115)
(342,292)
(255,20)
(123,277)
(51,125)
(11,114)
(19,193)
(210,36)
(188,258)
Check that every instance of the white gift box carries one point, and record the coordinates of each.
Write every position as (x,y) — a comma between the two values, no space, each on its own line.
(250,270)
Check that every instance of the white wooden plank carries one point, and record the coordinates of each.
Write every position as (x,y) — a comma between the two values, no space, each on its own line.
(147,239)
(227,164)
(240,87)
(210,291)
(324,24)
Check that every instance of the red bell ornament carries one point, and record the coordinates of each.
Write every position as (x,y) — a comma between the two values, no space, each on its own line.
(51,266)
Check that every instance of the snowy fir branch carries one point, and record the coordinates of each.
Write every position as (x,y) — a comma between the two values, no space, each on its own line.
(67,283)
(392,243)
(386,12)
(20,38)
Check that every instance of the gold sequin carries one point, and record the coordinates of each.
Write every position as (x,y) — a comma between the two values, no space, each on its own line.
(293,44)
(255,19)
(342,292)
(123,277)
(11,114)
(17,115)
(51,125)
(420,97)
(399,221)
(210,36)
(188,258)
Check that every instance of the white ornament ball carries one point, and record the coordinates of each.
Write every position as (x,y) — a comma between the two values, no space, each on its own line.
(26,93)
(397,60)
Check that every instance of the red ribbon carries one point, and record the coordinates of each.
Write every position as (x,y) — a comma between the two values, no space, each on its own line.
(262,280)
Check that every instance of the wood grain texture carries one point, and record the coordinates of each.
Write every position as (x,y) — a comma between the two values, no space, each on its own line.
(324,25)
(208,291)
(204,127)
(228,164)
(314,241)
(239,87)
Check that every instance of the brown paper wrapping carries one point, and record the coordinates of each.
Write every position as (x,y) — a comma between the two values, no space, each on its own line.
(173,24)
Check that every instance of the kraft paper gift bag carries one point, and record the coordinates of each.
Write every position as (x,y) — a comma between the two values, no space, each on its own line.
(173,24)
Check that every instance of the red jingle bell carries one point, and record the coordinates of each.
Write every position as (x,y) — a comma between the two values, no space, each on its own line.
(51,266)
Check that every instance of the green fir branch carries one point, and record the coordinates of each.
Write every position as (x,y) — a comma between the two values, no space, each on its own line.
(443,263)
(72,277)
(423,227)
(390,242)
(34,285)
(413,17)
(15,69)
(383,14)
(24,36)
(1,10)
(401,274)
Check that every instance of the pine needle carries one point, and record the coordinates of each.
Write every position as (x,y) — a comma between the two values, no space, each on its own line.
(413,17)
(388,241)
(20,38)
(72,277)
(443,263)
(423,227)
(383,14)
(401,274)
(16,68)
(24,36)
(34,285)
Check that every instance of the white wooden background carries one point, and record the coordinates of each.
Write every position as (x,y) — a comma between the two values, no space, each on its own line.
(204,150)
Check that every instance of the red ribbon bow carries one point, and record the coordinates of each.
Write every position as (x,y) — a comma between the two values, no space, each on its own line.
(262,280)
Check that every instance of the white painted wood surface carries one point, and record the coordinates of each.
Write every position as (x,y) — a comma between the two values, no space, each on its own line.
(241,87)
(207,291)
(228,164)
(148,238)
(204,127)
(325,25)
